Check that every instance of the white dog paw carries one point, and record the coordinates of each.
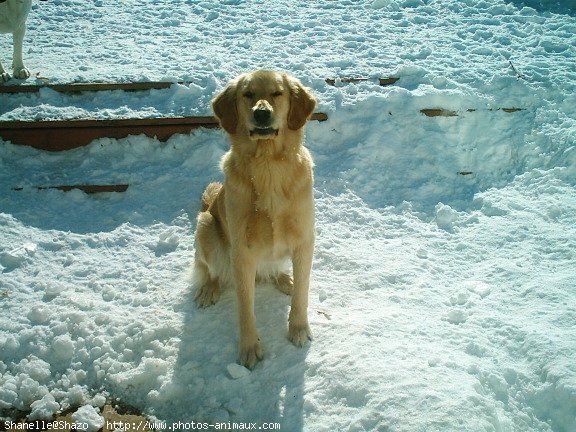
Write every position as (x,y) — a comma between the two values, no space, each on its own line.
(5,77)
(250,354)
(21,73)
(207,295)
(299,334)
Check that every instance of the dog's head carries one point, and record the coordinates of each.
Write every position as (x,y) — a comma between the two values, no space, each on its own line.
(263,104)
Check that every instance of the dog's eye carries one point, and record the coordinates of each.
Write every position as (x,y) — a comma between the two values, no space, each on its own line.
(277,94)
(249,95)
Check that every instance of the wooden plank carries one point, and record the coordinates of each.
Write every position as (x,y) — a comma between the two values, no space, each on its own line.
(60,135)
(333,81)
(438,112)
(88,87)
(90,189)
(441,112)
(143,86)
(381,81)
(86,188)
(69,134)
(319,116)
(388,81)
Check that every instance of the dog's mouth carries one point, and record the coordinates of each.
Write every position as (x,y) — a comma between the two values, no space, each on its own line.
(262,132)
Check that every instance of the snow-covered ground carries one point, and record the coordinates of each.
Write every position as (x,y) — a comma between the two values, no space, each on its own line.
(444,284)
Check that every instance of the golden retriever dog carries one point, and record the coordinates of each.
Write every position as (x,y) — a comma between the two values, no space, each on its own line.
(263,214)
(13,14)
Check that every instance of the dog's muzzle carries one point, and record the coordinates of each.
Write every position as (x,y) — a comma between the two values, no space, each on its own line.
(262,119)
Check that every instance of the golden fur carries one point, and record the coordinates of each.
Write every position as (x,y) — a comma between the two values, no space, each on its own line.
(263,213)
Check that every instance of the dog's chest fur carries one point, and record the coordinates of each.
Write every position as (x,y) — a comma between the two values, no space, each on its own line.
(271,189)
(276,184)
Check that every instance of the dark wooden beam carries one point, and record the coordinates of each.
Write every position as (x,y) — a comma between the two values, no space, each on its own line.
(381,81)
(59,135)
(87,188)
(87,87)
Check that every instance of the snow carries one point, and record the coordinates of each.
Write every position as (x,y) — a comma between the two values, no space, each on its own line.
(442,294)
(88,418)
(237,371)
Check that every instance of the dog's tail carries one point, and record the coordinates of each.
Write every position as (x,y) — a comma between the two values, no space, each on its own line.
(210,194)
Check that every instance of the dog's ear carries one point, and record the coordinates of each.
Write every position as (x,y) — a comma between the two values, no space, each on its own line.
(224,107)
(302,104)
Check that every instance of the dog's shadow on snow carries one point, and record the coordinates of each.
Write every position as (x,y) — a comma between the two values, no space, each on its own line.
(218,392)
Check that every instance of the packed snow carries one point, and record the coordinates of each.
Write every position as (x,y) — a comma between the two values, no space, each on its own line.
(443,293)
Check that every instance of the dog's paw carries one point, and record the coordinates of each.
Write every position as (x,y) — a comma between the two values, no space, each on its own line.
(250,354)
(21,73)
(207,295)
(284,283)
(5,77)
(299,334)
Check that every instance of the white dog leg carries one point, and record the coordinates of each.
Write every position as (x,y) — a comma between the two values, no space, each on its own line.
(20,71)
(4,76)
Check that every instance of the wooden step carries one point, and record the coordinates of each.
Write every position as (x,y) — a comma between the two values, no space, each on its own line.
(59,135)
(89,87)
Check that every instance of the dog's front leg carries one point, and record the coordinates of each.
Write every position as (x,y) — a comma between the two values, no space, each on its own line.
(4,76)
(298,328)
(20,71)
(244,270)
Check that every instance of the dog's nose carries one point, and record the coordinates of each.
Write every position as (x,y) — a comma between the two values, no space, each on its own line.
(262,116)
